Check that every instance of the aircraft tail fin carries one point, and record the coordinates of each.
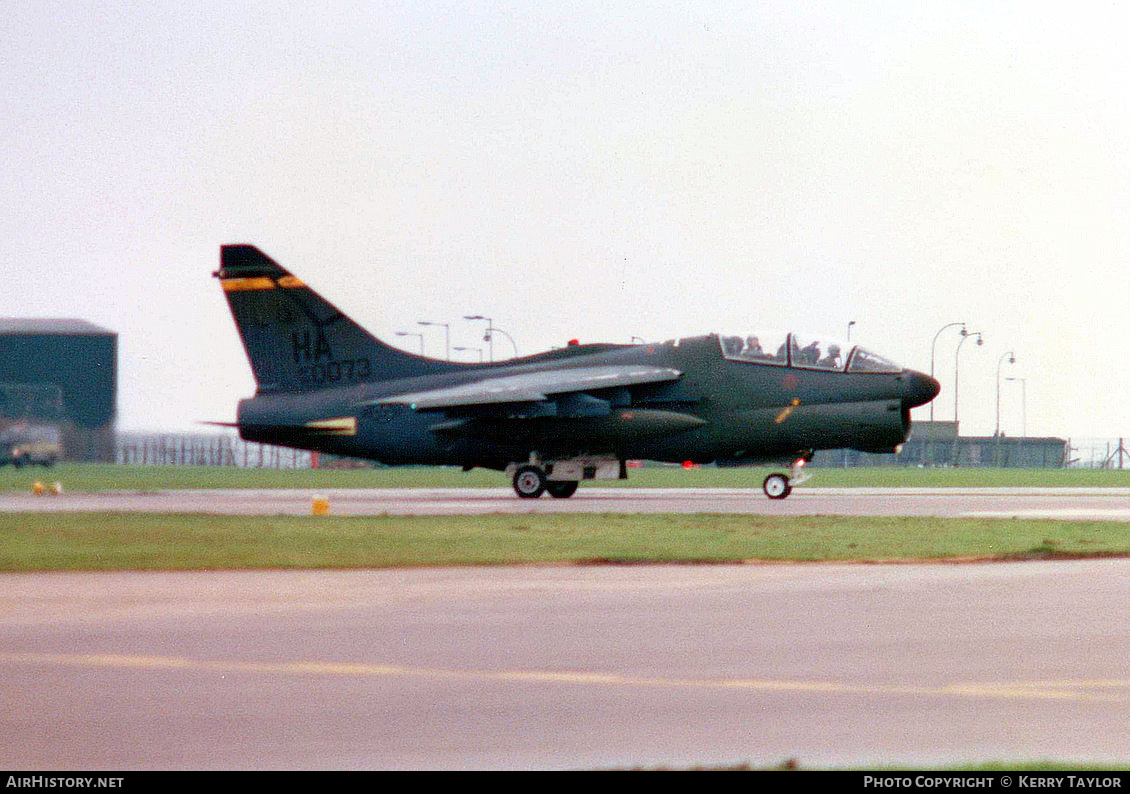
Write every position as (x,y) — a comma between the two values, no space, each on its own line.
(295,339)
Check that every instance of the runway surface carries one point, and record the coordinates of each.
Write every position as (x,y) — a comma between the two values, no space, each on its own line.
(1104,504)
(571,667)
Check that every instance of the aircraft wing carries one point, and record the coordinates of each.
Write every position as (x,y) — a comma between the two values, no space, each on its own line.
(531,386)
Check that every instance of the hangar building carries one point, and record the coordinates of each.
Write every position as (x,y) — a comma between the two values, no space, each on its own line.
(62,373)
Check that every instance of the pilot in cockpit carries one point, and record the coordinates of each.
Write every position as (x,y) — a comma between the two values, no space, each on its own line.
(753,348)
(810,354)
(832,360)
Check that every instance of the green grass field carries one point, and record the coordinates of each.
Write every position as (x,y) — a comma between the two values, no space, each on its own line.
(99,477)
(110,541)
(94,541)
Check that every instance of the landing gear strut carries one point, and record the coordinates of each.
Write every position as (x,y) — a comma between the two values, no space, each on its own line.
(530,482)
(561,476)
(778,486)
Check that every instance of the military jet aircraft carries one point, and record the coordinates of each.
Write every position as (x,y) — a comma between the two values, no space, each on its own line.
(556,418)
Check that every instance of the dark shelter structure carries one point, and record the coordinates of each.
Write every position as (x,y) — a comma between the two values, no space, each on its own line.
(61,373)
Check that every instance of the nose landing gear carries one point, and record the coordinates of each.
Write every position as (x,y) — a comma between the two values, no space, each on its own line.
(778,485)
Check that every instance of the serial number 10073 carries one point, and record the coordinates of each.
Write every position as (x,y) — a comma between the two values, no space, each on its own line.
(347,369)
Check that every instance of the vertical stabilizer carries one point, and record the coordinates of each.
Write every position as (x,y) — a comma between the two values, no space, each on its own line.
(295,339)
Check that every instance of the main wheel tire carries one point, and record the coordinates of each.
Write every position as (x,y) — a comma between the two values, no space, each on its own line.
(776,486)
(529,482)
(563,489)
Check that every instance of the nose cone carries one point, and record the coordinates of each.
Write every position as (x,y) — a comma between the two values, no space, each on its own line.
(919,388)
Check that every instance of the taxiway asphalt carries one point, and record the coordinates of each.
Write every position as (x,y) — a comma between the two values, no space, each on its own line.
(570,667)
(566,667)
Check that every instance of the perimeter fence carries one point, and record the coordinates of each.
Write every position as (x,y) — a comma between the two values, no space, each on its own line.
(223,449)
(1099,453)
(203,449)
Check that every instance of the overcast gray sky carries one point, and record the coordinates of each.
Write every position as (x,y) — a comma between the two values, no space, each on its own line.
(594,170)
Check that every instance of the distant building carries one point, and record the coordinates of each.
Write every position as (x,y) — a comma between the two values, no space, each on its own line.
(63,373)
(939,444)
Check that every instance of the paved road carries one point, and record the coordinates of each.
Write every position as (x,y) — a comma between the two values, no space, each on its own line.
(565,667)
(1111,504)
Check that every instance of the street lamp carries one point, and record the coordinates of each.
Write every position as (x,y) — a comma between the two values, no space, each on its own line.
(508,336)
(488,336)
(1023,417)
(930,441)
(850,324)
(418,336)
(478,350)
(956,360)
(932,346)
(1011,360)
(447,331)
(1023,405)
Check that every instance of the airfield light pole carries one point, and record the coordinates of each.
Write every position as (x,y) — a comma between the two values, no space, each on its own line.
(850,324)
(1023,405)
(508,336)
(956,361)
(934,344)
(1023,415)
(997,451)
(487,337)
(478,350)
(418,336)
(447,332)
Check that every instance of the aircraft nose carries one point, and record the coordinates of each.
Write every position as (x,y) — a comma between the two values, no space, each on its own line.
(919,388)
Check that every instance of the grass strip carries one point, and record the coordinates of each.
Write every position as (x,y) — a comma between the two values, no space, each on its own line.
(118,541)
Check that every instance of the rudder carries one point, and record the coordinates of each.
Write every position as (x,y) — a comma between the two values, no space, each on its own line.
(295,339)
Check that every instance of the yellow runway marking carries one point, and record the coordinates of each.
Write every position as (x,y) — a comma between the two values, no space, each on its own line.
(1117,691)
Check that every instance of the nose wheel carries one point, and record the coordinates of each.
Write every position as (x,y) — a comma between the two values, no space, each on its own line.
(776,486)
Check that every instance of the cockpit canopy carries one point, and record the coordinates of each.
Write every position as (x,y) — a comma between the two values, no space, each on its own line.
(786,349)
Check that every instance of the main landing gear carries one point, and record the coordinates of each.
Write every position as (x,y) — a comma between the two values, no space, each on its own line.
(778,485)
(531,481)
(560,478)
